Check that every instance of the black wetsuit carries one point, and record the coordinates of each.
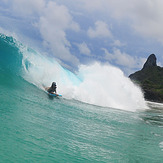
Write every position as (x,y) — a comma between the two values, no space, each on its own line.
(52,88)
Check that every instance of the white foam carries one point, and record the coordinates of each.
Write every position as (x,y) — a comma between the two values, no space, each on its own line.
(106,85)
(97,84)
(155,104)
(161,145)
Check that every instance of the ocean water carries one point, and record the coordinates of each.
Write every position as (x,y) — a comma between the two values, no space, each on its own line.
(102,116)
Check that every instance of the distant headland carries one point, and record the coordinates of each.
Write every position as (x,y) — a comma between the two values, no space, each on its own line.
(150,79)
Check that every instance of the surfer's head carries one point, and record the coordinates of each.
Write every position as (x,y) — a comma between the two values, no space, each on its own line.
(54,86)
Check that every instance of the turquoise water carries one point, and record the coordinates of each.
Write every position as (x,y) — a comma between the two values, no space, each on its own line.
(37,128)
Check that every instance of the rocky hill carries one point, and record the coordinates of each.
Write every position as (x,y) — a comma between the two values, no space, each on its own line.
(150,79)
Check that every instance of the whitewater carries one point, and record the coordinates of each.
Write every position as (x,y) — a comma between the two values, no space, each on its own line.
(102,116)
(98,84)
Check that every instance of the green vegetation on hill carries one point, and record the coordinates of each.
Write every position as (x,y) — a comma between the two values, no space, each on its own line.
(150,80)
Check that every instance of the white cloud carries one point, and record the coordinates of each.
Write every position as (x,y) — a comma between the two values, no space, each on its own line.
(144,16)
(53,23)
(100,30)
(52,20)
(123,59)
(83,48)
(28,7)
(118,43)
(148,19)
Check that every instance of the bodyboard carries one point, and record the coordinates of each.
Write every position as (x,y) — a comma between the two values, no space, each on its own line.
(54,94)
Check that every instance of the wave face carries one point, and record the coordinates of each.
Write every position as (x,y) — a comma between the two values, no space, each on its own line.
(97,84)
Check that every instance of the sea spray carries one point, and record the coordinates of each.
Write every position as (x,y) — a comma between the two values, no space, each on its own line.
(106,85)
(103,85)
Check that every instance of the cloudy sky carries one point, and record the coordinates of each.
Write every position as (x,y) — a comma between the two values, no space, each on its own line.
(119,32)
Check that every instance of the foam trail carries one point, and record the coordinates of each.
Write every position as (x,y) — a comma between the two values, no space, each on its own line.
(97,84)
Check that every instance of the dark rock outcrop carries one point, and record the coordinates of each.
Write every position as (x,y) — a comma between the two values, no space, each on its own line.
(151,61)
(150,79)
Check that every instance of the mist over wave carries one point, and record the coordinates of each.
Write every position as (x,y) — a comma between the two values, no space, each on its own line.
(97,84)
(103,85)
